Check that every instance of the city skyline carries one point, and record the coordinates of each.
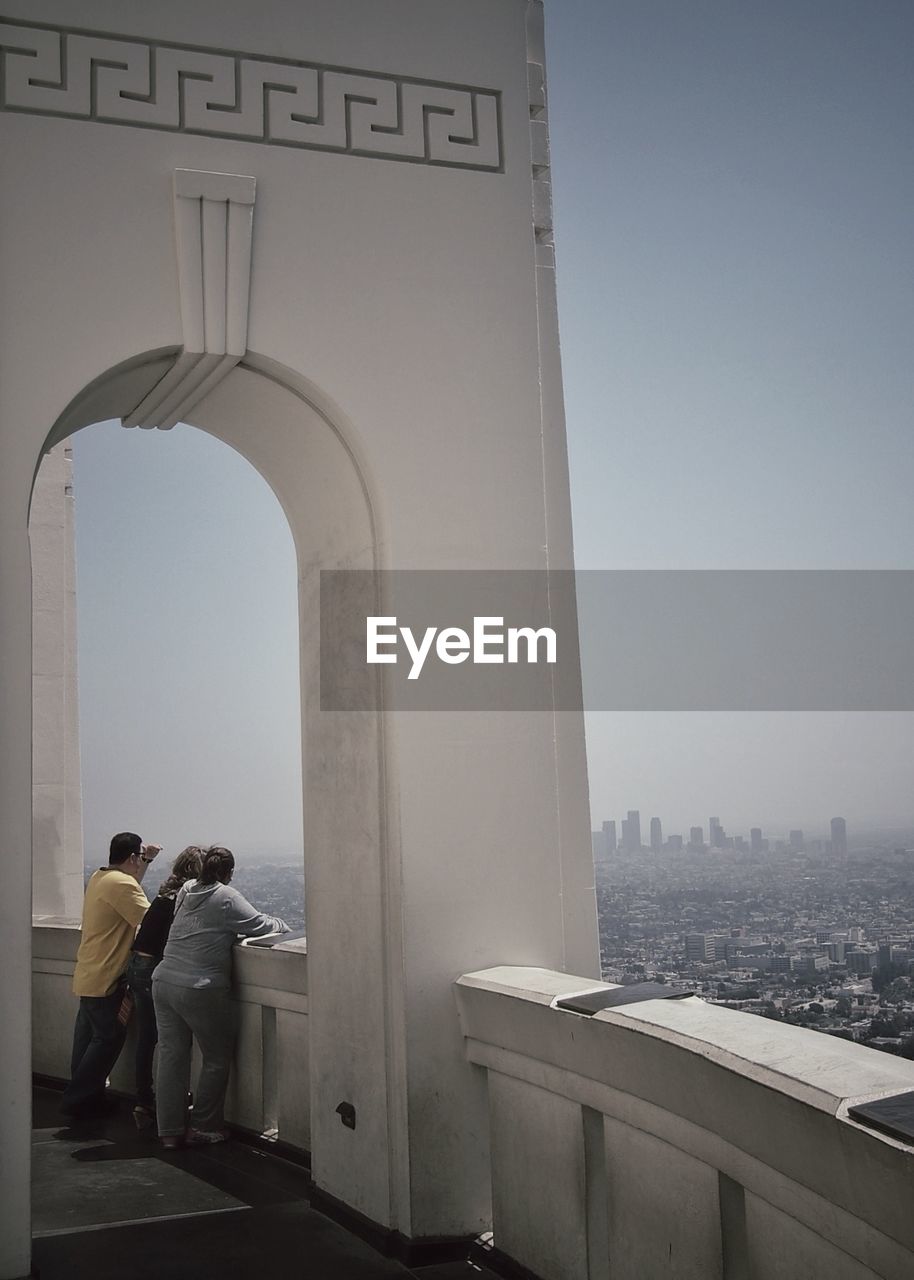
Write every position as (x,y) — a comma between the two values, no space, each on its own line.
(626,834)
(811,939)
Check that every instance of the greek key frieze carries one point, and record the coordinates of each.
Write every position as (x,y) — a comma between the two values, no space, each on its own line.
(140,83)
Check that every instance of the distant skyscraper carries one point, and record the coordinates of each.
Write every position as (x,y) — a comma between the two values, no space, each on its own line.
(656,835)
(626,837)
(696,838)
(715,833)
(755,837)
(699,948)
(889,953)
(634,831)
(796,840)
(609,837)
(674,842)
(839,837)
(858,961)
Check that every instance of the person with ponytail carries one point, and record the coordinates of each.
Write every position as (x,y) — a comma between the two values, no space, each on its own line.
(193,1000)
(148,948)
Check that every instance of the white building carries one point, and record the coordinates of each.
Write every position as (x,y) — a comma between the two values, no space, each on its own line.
(320,230)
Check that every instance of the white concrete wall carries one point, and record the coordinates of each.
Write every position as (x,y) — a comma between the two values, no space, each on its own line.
(675,1138)
(269,1083)
(400,390)
(57,841)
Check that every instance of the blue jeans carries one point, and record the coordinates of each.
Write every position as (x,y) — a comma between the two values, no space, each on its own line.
(139,979)
(98,1038)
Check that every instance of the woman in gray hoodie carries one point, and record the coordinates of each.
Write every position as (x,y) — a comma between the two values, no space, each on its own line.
(192,993)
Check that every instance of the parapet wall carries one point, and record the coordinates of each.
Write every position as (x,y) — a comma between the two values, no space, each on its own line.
(676,1138)
(269,1089)
(667,1138)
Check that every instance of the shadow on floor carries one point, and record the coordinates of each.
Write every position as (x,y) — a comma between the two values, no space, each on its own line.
(109,1202)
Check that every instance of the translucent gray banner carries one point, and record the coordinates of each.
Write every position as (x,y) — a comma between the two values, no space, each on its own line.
(658,640)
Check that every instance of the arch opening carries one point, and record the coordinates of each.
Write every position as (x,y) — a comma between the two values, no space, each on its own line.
(289,433)
(188,659)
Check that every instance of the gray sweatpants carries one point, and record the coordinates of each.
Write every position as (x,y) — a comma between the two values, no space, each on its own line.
(182,1014)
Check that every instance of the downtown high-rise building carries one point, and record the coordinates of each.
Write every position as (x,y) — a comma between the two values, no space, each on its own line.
(715,833)
(656,835)
(839,837)
(696,838)
(699,948)
(755,839)
(795,841)
(610,842)
(631,831)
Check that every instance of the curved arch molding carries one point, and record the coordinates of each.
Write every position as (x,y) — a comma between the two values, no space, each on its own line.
(214,216)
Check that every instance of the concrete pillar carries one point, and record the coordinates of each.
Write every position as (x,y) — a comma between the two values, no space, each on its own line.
(15,900)
(57,846)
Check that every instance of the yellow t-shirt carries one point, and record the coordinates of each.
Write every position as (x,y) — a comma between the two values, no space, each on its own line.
(114,905)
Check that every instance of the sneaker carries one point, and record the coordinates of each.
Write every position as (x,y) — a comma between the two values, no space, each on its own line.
(200,1137)
(172,1141)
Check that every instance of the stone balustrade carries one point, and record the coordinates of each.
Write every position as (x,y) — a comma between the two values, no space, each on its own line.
(269,1089)
(667,1138)
(675,1138)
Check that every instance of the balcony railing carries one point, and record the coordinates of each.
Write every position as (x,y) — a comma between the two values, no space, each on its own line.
(666,1138)
(673,1138)
(268,1093)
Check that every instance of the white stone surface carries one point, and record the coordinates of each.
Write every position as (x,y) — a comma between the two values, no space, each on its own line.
(538,1205)
(664,1217)
(693,1098)
(783,1249)
(400,390)
(57,844)
(822,1070)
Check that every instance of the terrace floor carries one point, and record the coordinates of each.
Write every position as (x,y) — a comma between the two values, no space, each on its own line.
(108,1201)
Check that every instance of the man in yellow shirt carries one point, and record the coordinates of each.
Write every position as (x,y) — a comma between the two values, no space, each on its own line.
(113,907)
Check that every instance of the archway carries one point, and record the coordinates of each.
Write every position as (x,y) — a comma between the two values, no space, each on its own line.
(178,562)
(281,428)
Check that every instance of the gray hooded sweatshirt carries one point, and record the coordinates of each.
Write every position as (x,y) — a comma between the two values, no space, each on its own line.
(208,921)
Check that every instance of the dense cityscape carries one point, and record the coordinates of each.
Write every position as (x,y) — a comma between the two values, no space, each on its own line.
(815,932)
(818,932)
(275,887)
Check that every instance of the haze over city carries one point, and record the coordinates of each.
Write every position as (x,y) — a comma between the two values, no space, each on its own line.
(731,187)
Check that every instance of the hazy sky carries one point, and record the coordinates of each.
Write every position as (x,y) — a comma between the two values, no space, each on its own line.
(733,187)
(188,644)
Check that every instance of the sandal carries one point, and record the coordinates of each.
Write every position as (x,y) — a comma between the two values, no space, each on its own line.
(144,1117)
(202,1137)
